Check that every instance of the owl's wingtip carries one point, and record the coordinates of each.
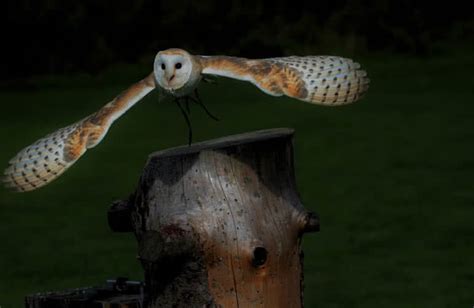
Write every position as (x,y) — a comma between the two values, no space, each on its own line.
(8,184)
(5,181)
(11,186)
(7,170)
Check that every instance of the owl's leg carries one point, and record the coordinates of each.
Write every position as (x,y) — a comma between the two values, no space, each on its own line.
(186,118)
(198,101)
(186,104)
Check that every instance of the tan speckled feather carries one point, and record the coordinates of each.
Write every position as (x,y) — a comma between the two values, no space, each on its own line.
(324,80)
(47,158)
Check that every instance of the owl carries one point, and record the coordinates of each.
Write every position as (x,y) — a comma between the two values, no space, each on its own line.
(323,80)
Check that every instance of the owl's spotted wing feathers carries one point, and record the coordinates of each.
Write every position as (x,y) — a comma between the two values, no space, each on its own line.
(43,161)
(325,80)
(47,158)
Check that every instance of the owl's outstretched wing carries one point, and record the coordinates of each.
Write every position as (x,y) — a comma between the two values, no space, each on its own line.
(47,158)
(323,80)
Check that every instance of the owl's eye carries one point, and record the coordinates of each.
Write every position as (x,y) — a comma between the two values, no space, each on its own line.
(178,65)
(163,66)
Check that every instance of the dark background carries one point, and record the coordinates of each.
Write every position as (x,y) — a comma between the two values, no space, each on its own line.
(51,37)
(391,176)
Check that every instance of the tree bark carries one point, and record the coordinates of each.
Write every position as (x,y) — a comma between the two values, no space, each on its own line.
(219,223)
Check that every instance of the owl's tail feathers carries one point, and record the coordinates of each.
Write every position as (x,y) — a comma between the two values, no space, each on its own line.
(45,160)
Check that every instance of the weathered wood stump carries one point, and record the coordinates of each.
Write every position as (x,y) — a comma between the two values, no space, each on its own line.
(219,223)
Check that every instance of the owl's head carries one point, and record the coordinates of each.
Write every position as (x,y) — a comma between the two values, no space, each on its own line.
(174,69)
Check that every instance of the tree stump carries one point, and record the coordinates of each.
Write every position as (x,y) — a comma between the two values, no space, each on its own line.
(219,223)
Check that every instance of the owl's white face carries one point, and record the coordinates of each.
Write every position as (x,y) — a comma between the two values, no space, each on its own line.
(173,68)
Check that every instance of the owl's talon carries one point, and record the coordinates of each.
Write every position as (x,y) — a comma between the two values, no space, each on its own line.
(200,103)
(186,105)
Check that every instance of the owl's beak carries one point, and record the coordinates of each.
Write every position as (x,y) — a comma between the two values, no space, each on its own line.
(169,76)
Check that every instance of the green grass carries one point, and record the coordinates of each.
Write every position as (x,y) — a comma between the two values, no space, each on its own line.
(391,178)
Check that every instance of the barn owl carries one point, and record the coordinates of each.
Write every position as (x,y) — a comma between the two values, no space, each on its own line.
(323,80)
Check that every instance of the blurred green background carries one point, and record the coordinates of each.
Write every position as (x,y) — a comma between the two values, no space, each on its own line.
(390,176)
